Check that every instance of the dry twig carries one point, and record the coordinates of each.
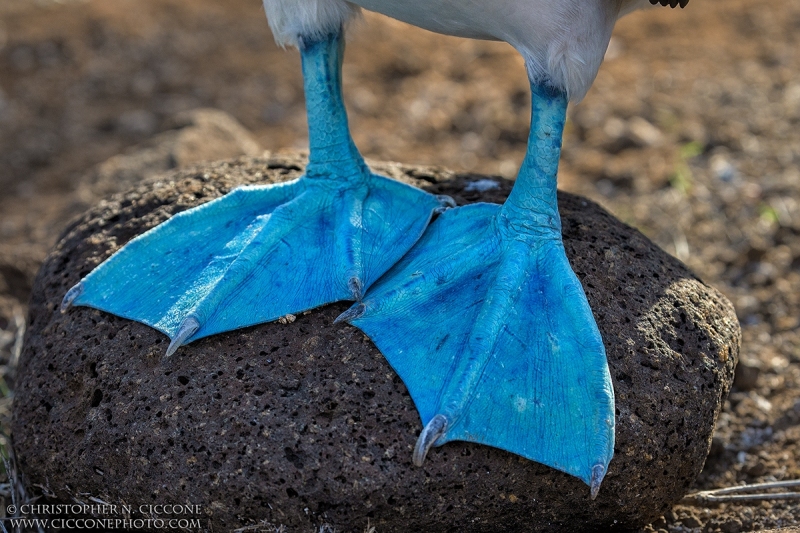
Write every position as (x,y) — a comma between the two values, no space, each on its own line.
(752,492)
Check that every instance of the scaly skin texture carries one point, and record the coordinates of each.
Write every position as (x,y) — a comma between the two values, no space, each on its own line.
(262,252)
(322,397)
(490,329)
(486,305)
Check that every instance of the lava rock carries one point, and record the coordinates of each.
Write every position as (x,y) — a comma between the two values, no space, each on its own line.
(304,424)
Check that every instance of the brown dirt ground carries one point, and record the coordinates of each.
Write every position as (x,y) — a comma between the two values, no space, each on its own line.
(691,133)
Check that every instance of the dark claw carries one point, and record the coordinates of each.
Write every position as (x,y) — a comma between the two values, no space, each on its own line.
(430,434)
(353,313)
(445,203)
(356,288)
(189,327)
(598,473)
(71,296)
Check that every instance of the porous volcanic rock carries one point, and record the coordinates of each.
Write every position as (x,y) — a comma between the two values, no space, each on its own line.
(304,424)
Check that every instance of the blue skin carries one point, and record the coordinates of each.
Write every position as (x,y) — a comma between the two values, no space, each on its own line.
(483,318)
(261,252)
(489,328)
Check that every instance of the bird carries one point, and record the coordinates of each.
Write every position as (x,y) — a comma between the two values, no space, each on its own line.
(475,307)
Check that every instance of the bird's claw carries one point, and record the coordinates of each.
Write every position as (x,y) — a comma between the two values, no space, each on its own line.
(189,327)
(428,437)
(598,473)
(445,203)
(71,296)
(351,314)
(356,288)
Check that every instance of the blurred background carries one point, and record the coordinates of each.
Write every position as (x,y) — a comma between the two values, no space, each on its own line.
(691,133)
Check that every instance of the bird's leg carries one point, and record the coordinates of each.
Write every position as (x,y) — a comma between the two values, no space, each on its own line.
(261,252)
(333,154)
(490,329)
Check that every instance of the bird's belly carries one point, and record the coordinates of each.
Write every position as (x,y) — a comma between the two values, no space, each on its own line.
(476,19)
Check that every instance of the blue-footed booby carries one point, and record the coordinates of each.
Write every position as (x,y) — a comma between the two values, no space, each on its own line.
(477,309)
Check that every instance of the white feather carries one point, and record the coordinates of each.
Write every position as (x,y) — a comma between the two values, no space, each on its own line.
(563,41)
(291,19)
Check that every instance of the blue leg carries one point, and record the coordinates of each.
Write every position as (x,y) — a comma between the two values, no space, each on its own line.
(262,252)
(489,328)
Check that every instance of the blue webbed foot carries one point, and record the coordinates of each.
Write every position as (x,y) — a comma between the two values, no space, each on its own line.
(489,328)
(494,338)
(261,252)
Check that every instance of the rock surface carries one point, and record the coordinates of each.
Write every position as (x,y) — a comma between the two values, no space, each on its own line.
(305,424)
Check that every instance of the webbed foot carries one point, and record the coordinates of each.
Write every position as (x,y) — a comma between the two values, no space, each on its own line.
(261,252)
(489,328)
(494,338)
